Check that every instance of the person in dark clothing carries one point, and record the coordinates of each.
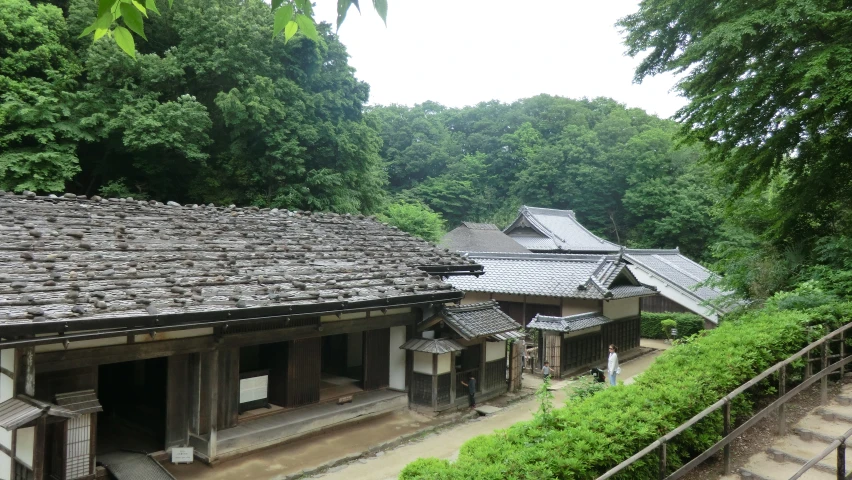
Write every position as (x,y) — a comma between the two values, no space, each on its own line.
(471,391)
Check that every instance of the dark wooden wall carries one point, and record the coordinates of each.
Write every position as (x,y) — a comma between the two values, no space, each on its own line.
(624,334)
(661,304)
(444,384)
(582,350)
(304,366)
(229,388)
(278,359)
(523,315)
(421,389)
(48,384)
(495,375)
(376,359)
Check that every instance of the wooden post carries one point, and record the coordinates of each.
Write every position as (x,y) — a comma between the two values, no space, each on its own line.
(726,469)
(782,389)
(662,461)
(823,383)
(841,461)
(28,367)
(211,367)
(453,379)
(842,351)
(434,381)
(39,448)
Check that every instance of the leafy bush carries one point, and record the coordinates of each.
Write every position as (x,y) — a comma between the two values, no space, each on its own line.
(414,218)
(687,324)
(595,433)
(586,386)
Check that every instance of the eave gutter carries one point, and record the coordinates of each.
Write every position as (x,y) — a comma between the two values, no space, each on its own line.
(61,331)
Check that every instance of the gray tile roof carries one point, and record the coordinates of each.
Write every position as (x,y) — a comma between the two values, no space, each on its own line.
(84,401)
(572,323)
(479,237)
(478,320)
(18,411)
(675,269)
(440,345)
(561,228)
(550,275)
(67,258)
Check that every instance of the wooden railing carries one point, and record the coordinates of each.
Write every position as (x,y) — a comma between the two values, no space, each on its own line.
(784,396)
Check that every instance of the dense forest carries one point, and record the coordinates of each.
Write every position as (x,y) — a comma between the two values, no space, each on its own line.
(214,109)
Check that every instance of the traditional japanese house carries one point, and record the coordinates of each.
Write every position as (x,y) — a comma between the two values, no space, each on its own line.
(562,285)
(223,329)
(682,284)
(456,343)
(480,237)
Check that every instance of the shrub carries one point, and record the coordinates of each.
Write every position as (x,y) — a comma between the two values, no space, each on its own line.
(687,324)
(595,433)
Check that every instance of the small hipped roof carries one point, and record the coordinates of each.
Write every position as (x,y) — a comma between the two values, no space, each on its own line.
(571,323)
(434,346)
(22,410)
(477,320)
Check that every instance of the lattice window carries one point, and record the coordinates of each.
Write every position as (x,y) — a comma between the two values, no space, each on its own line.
(77,447)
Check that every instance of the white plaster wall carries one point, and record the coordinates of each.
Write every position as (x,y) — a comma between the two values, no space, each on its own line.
(7,359)
(573,306)
(5,466)
(495,350)
(675,294)
(423,362)
(355,349)
(444,363)
(397,358)
(627,307)
(475,297)
(24,446)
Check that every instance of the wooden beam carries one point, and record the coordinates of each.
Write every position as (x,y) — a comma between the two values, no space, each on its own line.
(434,381)
(39,448)
(28,365)
(87,357)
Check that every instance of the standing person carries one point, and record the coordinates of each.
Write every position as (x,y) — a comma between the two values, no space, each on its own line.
(471,390)
(545,371)
(612,368)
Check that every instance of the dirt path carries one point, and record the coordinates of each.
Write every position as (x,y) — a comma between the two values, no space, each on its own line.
(447,443)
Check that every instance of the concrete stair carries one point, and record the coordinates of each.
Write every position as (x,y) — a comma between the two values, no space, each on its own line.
(809,437)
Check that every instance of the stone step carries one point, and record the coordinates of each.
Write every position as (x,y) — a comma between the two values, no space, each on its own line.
(795,450)
(814,422)
(763,467)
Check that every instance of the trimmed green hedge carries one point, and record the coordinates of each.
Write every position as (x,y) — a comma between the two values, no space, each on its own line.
(687,324)
(591,435)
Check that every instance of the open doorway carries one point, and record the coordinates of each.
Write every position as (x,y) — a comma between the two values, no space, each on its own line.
(342,365)
(133,396)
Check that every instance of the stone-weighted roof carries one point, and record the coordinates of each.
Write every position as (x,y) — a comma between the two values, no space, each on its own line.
(69,258)
(553,275)
(546,229)
(571,323)
(476,320)
(480,237)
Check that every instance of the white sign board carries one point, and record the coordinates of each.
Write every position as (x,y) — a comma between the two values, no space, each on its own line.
(182,455)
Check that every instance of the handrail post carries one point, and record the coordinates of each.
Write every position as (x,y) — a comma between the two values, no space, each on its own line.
(782,389)
(662,460)
(726,469)
(841,461)
(842,352)
(823,383)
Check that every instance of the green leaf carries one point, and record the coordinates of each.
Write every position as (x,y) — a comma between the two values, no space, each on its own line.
(304,6)
(133,19)
(124,39)
(382,7)
(152,5)
(88,30)
(171,2)
(282,17)
(290,30)
(102,24)
(306,25)
(355,2)
(342,7)
(276,4)
(105,6)
(141,8)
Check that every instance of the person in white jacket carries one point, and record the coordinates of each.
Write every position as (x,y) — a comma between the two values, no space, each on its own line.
(612,368)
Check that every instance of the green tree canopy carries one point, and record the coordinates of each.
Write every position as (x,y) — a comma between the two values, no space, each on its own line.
(414,218)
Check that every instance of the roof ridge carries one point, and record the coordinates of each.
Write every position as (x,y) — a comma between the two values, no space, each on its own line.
(562,257)
(573,217)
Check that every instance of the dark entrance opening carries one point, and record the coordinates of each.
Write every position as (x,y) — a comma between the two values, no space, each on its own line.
(342,368)
(467,364)
(133,395)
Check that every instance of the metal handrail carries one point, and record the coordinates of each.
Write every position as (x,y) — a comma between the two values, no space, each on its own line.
(725,402)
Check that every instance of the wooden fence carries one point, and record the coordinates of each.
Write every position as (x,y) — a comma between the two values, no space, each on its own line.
(784,396)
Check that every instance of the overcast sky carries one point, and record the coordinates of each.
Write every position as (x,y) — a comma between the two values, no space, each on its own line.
(461,52)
